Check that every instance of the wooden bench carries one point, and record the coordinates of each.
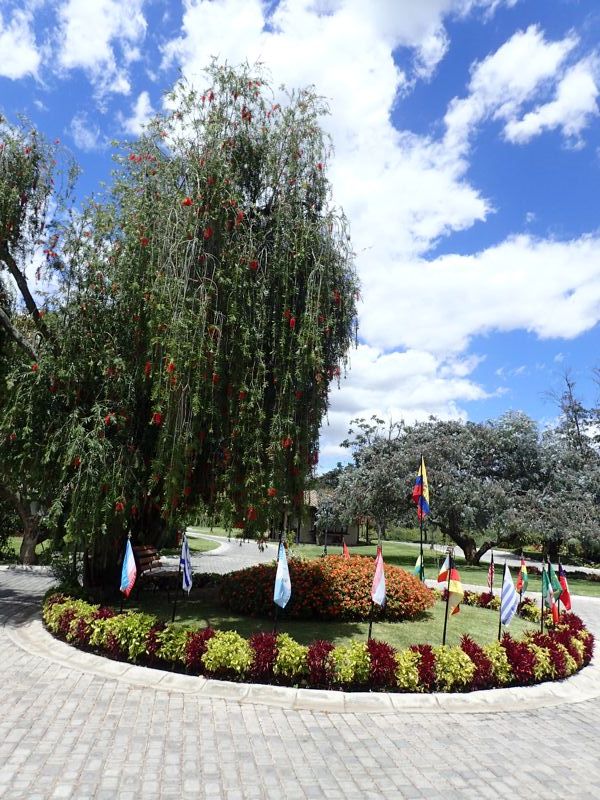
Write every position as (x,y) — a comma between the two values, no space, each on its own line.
(151,570)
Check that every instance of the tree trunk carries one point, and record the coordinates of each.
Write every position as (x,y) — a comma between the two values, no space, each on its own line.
(467,544)
(30,540)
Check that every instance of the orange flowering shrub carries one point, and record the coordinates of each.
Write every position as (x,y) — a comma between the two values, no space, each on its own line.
(333,587)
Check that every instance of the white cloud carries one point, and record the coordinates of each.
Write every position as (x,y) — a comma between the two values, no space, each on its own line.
(86,136)
(410,385)
(20,55)
(504,81)
(574,104)
(95,35)
(487,292)
(142,112)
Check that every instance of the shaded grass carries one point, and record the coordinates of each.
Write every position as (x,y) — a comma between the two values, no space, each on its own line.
(196,546)
(481,624)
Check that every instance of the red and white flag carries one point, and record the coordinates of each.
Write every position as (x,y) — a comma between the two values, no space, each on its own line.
(378,588)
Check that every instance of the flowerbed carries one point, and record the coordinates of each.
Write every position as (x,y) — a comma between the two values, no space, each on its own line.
(279,659)
(327,588)
(527,609)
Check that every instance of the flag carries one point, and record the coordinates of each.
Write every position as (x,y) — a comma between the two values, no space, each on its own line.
(509,599)
(449,579)
(548,595)
(345,550)
(283,584)
(420,493)
(378,588)
(556,587)
(129,571)
(522,577)
(185,562)
(443,574)
(565,596)
(418,570)
(491,571)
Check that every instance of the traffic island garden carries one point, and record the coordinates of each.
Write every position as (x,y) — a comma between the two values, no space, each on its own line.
(356,664)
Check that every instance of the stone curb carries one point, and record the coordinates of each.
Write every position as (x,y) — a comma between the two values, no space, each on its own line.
(32,637)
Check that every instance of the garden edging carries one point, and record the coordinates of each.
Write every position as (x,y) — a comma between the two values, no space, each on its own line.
(32,637)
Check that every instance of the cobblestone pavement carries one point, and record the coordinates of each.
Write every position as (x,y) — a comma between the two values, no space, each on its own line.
(65,733)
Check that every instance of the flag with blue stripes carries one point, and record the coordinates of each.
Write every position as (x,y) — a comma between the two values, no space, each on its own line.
(185,563)
(509,599)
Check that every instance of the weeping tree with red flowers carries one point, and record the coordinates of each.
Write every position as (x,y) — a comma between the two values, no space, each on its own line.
(200,313)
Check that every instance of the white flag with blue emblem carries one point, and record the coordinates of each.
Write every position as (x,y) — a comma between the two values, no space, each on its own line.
(185,562)
(509,599)
(283,584)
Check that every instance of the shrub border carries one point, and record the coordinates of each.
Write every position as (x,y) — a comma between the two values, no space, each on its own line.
(139,638)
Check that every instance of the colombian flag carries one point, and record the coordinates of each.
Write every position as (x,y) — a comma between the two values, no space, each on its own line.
(420,493)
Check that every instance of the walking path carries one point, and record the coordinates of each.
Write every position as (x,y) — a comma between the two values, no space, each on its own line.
(74,725)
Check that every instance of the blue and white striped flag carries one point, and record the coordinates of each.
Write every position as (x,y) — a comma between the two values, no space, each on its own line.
(283,584)
(186,565)
(509,599)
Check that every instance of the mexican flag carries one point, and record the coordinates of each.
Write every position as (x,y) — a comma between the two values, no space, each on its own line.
(548,596)
(556,587)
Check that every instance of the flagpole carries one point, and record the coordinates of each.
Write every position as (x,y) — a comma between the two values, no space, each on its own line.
(450,565)
(420,509)
(542,620)
(521,579)
(371,620)
(124,556)
(500,610)
(558,598)
(176,591)
(274,603)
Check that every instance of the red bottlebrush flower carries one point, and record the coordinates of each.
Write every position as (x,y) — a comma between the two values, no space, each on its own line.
(298,394)
(187,490)
(148,369)
(187,201)
(287,442)
(76,462)
(210,180)
(35,367)
(293,323)
(246,114)
(336,296)
(239,217)
(253,265)
(251,514)
(134,511)
(144,241)
(211,96)
(320,166)
(170,367)
(109,419)
(243,394)
(272,491)
(157,418)
(207,233)
(215,378)
(240,524)
(119,507)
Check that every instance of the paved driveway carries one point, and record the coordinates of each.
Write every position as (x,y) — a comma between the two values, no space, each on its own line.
(67,732)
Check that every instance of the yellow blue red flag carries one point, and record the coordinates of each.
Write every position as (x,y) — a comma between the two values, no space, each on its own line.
(420,493)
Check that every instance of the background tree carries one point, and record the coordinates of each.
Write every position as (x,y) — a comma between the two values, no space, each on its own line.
(202,311)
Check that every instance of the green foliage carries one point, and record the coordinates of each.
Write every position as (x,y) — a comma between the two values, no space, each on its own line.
(290,661)
(227,652)
(543,669)
(453,668)
(407,671)
(172,641)
(500,666)
(129,630)
(351,664)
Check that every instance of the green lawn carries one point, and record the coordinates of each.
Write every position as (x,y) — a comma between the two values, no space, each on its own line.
(403,555)
(196,546)
(481,624)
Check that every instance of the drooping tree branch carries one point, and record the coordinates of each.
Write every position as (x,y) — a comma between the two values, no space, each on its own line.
(21,281)
(16,335)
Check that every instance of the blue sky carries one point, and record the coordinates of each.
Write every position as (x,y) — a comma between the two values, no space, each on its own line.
(467,157)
